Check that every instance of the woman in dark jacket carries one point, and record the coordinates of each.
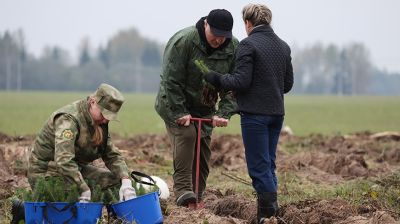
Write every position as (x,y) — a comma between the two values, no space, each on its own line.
(263,74)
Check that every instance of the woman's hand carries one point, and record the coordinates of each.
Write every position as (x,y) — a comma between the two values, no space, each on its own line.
(126,192)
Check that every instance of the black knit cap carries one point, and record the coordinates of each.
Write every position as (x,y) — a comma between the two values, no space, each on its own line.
(221,22)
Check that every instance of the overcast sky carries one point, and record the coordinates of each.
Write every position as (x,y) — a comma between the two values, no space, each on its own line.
(64,23)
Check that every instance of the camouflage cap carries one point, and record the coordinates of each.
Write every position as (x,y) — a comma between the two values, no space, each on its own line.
(109,100)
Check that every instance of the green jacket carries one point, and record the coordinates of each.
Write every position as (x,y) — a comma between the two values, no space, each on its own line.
(182,83)
(65,140)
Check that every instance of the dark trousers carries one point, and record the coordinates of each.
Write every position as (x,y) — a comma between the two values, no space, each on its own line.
(260,137)
(183,140)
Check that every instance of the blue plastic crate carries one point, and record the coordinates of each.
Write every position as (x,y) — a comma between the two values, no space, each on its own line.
(61,212)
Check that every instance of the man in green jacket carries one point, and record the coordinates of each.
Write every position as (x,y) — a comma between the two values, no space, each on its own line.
(184,94)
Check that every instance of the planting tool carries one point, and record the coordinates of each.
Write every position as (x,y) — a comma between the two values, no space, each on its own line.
(199,120)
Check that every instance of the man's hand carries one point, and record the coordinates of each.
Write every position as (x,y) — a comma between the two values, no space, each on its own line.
(85,197)
(126,192)
(185,120)
(219,121)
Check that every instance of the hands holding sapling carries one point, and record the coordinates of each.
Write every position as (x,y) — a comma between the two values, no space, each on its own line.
(210,76)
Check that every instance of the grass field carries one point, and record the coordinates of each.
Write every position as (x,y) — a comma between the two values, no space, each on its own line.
(24,113)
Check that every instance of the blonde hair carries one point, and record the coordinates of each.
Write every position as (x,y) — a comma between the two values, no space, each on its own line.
(257,14)
(97,138)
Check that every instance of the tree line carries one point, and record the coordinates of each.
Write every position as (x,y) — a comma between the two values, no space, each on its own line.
(128,61)
(133,63)
(333,70)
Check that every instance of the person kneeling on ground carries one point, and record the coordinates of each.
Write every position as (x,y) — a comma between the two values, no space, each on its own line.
(73,137)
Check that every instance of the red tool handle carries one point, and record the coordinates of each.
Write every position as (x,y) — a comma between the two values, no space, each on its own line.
(199,120)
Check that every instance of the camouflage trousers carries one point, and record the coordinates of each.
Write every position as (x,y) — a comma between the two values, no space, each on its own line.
(183,141)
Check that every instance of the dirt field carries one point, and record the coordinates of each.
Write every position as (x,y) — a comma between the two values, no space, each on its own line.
(316,160)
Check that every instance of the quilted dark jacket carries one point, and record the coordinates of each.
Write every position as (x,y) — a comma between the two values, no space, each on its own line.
(263,73)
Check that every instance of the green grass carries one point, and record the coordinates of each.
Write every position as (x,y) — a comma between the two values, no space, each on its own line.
(25,113)
(357,192)
(342,115)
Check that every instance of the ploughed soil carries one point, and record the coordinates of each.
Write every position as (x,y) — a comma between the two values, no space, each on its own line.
(316,159)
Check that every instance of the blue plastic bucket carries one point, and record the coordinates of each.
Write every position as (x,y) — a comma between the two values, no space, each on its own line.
(61,212)
(144,209)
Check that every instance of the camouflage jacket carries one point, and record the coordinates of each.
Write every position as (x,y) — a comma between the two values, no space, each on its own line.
(65,140)
(182,83)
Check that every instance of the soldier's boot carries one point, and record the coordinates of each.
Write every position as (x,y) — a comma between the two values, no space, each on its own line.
(17,211)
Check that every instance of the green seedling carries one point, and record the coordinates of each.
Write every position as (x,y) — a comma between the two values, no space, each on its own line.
(52,189)
(201,66)
(141,189)
(209,94)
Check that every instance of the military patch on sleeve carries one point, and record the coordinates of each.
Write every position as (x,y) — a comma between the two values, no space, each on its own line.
(67,134)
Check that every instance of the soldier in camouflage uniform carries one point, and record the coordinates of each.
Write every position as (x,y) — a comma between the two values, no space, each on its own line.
(183,94)
(76,135)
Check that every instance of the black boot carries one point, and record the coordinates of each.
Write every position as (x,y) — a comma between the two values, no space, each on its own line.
(267,205)
(17,211)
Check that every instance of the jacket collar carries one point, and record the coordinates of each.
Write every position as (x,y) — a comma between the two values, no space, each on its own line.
(84,107)
(262,28)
